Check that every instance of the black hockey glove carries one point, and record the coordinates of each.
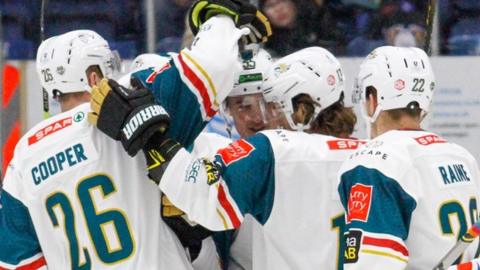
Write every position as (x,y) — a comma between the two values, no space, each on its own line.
(242,12)
(158,151)
(189,233)
(131,116)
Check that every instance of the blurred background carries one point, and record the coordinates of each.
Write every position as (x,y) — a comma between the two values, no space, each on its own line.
(348,28)
(345,27)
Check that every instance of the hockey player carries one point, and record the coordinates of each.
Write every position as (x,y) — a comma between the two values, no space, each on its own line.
(244,100)
(275,176)
(72,199)
(408,193)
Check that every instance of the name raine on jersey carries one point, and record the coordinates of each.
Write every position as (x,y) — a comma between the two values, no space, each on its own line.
(141,117)
(453,173)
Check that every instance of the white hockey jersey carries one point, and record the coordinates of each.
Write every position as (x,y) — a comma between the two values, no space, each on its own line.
(285,180)
(91,205)
(409,196)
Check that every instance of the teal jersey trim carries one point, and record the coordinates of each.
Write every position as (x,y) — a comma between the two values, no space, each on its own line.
(251,183)
(391,207)
(251,179)
(186,120)
(18,239)
(223,242)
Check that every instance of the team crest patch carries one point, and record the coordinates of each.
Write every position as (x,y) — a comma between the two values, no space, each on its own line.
(344,144)
(213,173)
(430,139)
(359,202)
(50,129)
(331,80)
(235,151)
(399,84)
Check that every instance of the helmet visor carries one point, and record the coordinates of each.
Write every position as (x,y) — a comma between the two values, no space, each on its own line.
(248,112)
(113,65)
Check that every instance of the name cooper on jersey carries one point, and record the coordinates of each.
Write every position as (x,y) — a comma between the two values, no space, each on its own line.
(58,162)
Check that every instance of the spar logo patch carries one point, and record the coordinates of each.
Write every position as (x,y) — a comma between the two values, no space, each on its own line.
(344,144)
(49,130)
(430,139)
(359,202)
(235,151)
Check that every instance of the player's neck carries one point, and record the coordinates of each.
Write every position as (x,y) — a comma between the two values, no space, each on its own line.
(385,124)
(70,105)
(72,100)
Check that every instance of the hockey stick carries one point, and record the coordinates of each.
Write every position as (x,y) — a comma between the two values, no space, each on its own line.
(459,247)
(46,107)
(429,18)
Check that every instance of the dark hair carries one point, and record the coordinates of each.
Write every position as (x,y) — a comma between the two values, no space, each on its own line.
(335,120)
(412,110)
(62,96)
(96,69)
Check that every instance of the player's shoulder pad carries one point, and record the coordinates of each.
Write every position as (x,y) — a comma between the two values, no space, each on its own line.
(207,143)
(147,76)
(387,153)
(301,145)
(45,132)
(422,142)
(256,147)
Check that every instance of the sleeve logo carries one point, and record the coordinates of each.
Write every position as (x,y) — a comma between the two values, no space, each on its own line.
(344,144)
(235,151)
(359,202)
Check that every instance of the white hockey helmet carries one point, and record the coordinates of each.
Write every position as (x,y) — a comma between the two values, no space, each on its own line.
(147,60)
(62,61)
(247,84)
(250,78)
(312,71)
(143,61)
(400,76)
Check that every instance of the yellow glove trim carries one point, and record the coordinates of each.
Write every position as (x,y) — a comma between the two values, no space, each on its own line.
(157,157)
(92,118)
(196,12)
(265,21)
(170,210)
